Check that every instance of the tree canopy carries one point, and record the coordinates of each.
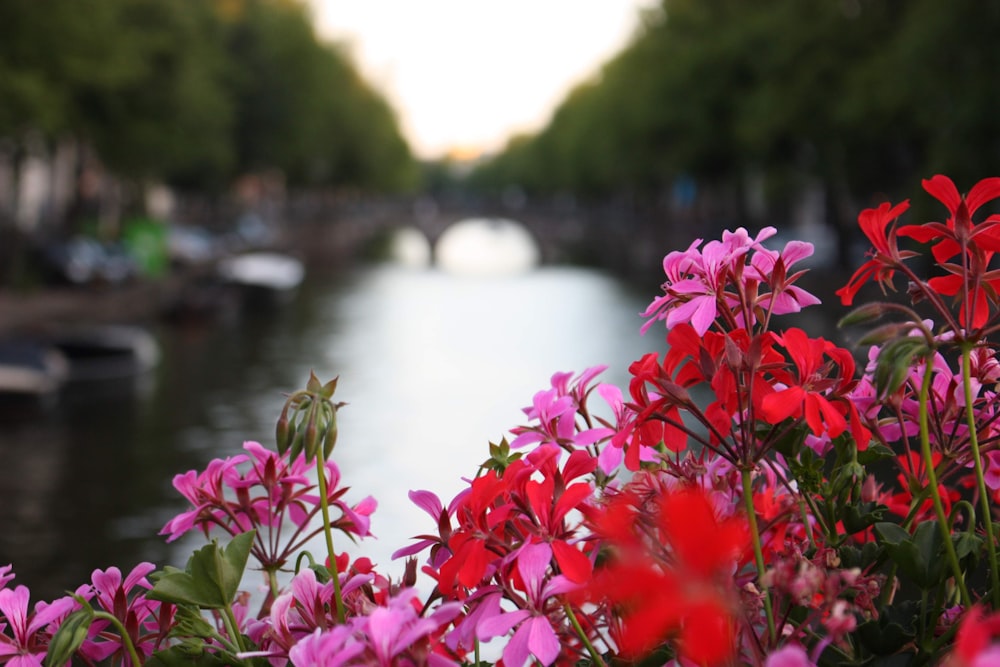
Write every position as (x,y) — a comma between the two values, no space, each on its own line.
(863,96)
(196,93)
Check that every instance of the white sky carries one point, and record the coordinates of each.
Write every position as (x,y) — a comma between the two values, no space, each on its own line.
(466,74)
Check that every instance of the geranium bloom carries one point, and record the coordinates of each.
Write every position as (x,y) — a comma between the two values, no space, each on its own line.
(534,636)
(263,490)
(126,600)
(696,284)
(683,594)
(808,394)
(792,655)
(973,644)
(31,632)
(885,256)
(977,243)
(959,232)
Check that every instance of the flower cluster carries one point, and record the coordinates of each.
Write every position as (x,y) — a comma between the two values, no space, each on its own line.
(756,496)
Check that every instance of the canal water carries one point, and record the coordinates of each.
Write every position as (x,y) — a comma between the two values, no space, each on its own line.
(433,363)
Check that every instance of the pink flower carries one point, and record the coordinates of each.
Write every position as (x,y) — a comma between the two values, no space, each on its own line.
(792,655)
(333,648)
(31,633)
(534,635)
(126,600)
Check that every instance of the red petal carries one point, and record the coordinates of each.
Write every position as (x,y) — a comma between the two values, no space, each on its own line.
(576,566)
(985,190)
(947,285)
(708,636)
(782,404)
(944,190)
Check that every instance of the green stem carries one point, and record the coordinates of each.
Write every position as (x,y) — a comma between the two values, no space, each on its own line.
(233,627)
(123,633)
(977,461)
(331,565)
(758,552)
(272,580)
(594,655)
(925,447)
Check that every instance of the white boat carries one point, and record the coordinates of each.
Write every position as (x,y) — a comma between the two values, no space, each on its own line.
(263,270)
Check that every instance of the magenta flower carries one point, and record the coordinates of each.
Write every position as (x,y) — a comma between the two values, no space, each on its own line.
(31,633)
(333,648)
(264,491)
(723,280)
(534,635)
(792,655)
(126,600)
(554,414)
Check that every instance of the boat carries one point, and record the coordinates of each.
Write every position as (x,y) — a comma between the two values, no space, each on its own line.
(105,352)
(30,369)
(263,272)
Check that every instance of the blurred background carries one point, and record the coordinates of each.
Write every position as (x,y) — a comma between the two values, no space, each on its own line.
(441,202)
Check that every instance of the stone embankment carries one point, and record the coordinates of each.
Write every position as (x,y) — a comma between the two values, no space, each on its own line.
(138,302)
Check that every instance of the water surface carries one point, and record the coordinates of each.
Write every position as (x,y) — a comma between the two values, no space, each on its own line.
(433,365)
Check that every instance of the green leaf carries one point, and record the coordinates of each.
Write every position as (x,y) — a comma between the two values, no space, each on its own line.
(186,655)
(807,471)
(919,557)
(927,538)
(968,545)
(894,363)
(791,442)
(211,578)
(70,636)
(858,517)
(891,534)
(875,452)
(883,639)
(189,623)
(892,630)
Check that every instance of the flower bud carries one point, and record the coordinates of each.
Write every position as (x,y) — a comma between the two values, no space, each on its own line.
(70,636)
(862,315)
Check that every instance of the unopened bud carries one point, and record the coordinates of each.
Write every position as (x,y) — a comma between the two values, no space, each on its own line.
(284,431)
(70,637)
(311,435)
(862,315)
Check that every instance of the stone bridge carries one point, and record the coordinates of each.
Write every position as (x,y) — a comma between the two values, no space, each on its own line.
(613,238)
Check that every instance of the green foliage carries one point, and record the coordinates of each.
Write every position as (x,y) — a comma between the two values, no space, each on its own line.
(860,96)
(210,579)
(196,93)
(70,636)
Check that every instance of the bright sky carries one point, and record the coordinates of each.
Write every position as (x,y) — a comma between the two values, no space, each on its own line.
(464,75)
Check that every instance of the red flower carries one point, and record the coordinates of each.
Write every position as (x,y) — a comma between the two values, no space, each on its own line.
(809,392)
(885,256)
(977,243)
(974,638)
(683,596)
(959,230)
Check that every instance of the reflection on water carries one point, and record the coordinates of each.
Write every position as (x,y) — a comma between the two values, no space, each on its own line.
(433,366)
(486,246)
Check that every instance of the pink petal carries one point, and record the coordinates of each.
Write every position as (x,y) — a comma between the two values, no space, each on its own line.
(428,502)
(532,562)
(536,637)
(495,626)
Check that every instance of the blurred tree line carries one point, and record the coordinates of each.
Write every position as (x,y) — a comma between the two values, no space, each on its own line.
(755,102)
(193,94)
